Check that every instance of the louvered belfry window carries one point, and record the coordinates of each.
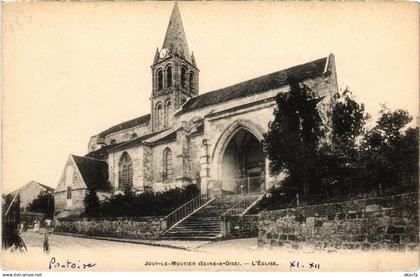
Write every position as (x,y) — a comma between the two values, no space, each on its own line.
(168,76)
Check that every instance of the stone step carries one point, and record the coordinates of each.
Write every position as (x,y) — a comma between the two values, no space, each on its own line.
(204,218)
(201,222)
(196,225)
(198,222)
(205,223)
(186,229)
(190,235)
(192,231)
(194,238)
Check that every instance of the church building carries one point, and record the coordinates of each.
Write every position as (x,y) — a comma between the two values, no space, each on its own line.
(212,139)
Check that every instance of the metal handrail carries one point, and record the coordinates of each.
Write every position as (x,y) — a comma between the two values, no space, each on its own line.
(242,205)
(240,185)
(184,211)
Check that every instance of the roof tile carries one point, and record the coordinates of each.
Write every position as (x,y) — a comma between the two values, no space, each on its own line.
(94,172)
(256,85)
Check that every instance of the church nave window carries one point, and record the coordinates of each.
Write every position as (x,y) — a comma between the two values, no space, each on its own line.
(167,165)
(125,170)
(160,79)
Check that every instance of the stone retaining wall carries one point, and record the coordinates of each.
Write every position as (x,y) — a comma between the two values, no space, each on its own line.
(137,228)
(387,222)
(235,227)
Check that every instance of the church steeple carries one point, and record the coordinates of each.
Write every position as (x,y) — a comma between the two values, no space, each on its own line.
(174,72)
(175,40)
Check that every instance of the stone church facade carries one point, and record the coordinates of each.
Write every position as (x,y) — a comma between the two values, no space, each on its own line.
(212,139)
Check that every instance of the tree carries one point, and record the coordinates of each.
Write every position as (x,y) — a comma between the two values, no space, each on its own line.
(91,203)
(340,156)
(390,153)
(347,160)
(348,120)
(292,140)
(44,203)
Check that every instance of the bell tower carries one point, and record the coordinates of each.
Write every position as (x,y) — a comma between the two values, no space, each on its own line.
(174,73)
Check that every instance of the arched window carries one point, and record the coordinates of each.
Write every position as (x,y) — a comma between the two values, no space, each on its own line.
(168,111)
(158,116)
(168,173)
(125,171)
(192,86)
(168,76)
(183,76)
(113,141)
(160,79)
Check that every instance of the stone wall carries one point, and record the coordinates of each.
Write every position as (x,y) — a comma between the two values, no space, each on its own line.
(126,135)
(147,167)
(61,203)
(387,222)
(195,154)
(137,228)
(235,226)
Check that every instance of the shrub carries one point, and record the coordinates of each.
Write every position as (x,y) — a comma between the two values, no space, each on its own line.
(130,204)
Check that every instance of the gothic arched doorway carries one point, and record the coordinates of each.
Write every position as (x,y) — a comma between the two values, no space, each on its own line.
(242,164)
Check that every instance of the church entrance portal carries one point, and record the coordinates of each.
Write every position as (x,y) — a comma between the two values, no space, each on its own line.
(243,164)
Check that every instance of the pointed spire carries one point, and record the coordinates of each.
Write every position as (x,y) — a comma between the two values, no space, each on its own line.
(156,59)
(193,59)
(175,40)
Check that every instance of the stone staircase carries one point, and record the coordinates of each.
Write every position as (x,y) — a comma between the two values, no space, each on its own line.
(204,224)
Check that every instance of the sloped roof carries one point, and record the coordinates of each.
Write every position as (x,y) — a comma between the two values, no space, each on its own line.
(133,142)
(257,85)
(102,153)
(175,39)
(247,88)
(94,172)
(142,120)
(47,188)
(169,133)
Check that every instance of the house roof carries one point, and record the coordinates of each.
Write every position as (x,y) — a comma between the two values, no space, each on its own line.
(141,120)
(257,85)
(47,188)
(94,172)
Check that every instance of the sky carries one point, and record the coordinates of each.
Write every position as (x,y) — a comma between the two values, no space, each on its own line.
(71,70)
